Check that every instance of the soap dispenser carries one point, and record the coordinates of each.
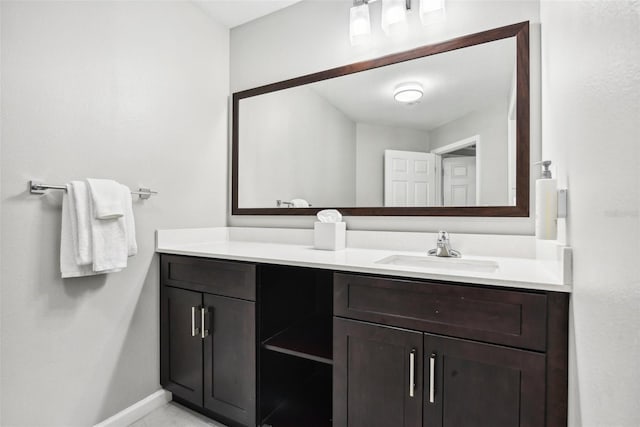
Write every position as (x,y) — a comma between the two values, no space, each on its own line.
(546,204)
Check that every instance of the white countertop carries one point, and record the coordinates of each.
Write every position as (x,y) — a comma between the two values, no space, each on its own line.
(292,247)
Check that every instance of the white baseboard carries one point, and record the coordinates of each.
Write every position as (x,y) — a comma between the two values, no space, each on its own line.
(138,410)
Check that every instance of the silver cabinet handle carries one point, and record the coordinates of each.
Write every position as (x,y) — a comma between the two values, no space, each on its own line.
(432,381)
(412,372)
(194,329)
(205,332)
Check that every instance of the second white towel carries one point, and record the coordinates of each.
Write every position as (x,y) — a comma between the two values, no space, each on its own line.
(110,248)
(106,195)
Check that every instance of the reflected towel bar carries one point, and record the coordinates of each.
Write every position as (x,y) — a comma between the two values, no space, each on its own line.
(279,204)
(36,187)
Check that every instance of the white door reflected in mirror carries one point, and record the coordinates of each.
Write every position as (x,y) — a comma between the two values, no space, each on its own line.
(459,181)
(409,178)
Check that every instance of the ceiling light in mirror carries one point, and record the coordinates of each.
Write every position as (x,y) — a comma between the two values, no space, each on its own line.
(432,11)
(359,24)
(408,93)
(394,16)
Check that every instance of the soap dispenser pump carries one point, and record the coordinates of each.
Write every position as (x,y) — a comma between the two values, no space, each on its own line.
(546,173)
(546,204)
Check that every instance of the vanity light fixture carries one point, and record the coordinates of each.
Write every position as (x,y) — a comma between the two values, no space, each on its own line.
(408,93)
(432,11)
(393,17)
(359,22)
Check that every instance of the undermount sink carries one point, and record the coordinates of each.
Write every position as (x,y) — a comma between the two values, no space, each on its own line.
(459,264)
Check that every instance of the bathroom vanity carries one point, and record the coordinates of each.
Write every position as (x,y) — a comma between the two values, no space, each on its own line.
(283,339)
(260,329)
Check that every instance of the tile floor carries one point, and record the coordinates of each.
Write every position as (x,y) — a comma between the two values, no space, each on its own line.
(174,415)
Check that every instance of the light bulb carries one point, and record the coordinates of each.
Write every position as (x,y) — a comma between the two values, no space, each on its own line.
(394,16)
(432,11)
(359,24)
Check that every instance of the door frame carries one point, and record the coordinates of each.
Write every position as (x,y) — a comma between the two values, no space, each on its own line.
(455,146)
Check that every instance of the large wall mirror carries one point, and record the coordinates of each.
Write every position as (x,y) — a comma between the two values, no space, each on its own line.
(439,130)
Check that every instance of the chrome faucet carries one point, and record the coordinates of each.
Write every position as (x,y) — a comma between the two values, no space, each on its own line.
(443,247)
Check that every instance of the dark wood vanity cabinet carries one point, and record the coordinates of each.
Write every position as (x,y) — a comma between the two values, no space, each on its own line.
(207,336)
(281,346)
(410,353)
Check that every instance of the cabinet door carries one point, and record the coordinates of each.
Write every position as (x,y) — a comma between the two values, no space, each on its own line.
(230,358)
(482,385)
(181,344)
(377,378)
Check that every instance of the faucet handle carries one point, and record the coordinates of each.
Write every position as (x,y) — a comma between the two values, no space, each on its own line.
(443,236)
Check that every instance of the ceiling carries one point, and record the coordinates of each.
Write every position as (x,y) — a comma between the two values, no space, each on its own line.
(232,13)
(455,83)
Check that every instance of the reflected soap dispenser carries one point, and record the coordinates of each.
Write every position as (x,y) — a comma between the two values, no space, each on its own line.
(546,204)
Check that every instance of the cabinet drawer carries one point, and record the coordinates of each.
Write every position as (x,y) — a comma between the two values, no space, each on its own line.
(226,278)
(498,316)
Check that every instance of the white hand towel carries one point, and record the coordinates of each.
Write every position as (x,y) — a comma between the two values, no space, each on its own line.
(106,195)
(129,221)
(299,203)
(109,239)
(80,218)
(68,265)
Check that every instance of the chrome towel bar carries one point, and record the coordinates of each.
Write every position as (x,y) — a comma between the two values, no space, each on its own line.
(36,187)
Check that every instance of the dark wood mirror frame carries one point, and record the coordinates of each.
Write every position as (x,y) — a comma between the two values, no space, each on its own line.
(521,208)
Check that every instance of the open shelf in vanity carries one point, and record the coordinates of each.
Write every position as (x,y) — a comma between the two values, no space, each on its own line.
(307,404)
(295,338)
(309,338)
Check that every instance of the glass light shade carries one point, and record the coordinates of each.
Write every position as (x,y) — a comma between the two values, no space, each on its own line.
(394,16)
(359,24)
(408,93)
(432,11)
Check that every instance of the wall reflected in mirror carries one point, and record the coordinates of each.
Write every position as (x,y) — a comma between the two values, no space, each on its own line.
(347,142)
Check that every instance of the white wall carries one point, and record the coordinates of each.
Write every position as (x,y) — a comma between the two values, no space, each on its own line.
(135,91)
(1,270)
(591,130)
(295,144)
(491,125)
(312,36)
(371,141)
